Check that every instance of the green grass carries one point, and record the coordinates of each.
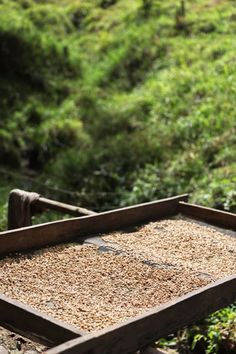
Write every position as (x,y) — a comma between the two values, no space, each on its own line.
(104,96)
(107,95)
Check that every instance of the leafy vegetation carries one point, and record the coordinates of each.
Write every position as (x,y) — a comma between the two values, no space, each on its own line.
(107,103)
(216,334)
(127,101)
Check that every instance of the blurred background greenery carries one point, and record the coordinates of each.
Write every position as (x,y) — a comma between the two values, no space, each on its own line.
(107,103)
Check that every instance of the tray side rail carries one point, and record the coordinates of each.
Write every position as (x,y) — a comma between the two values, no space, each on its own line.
(209,215)
(52,233)
(143,331)
(33,324)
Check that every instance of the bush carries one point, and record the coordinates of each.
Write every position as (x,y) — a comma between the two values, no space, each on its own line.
(213,335)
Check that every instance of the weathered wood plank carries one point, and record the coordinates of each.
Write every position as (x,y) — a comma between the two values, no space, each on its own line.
(209,215)
(45,203)
(64,230)
(23,204)
(33,324)
(145,330)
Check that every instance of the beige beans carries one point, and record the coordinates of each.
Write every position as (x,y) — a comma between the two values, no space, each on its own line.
(183,244)
(89,289)
(92,289)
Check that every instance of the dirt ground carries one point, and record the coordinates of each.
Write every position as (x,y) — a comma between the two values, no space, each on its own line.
(13,343)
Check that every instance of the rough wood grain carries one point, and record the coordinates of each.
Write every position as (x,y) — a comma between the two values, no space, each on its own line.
(212,216)
(22,205)
(144,330)
(45,203)
(34,325)
(64,230)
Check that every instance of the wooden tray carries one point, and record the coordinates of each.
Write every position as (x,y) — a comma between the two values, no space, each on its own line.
(138,332)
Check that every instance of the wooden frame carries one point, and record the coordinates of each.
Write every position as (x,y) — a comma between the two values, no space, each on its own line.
(209,215)
(138,332)
(64,230)
(38,206)
(45,203)
(142,331)
(33,324)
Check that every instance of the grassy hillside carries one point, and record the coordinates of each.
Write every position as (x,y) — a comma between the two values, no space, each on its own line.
(124,101)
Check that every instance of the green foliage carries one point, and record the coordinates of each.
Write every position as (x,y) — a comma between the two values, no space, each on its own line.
(107,3)
(216,334)
(32,65)
(213,335)
(3,205)
(118,96)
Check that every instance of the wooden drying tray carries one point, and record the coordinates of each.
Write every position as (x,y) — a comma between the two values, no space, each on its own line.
(136,333)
